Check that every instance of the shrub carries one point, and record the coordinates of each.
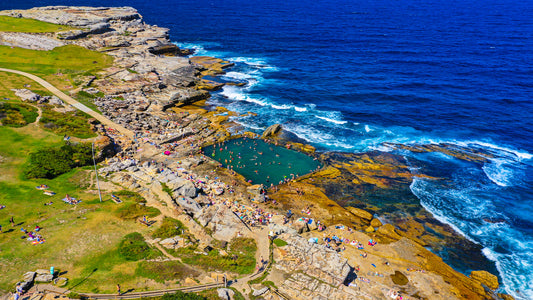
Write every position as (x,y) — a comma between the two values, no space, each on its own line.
(179,295)
(74,123)
(133,247)
(134,210)
(280,242)
(129,195)
(169,228)
(52,162)
(241,258)
(17,115)
(165,270)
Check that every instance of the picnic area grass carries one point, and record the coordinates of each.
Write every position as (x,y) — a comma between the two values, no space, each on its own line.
(11,24)
(62,66)
(81,240)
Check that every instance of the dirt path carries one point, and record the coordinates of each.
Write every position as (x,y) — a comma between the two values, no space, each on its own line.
(73,102)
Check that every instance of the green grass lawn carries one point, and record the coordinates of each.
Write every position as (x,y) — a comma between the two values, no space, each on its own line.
(81,240)
(11,24)
(69,59)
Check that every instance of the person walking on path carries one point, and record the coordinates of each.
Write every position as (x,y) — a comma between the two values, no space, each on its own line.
(12,221)
(118,289)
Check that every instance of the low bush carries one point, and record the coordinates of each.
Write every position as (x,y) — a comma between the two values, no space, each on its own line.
(280,242)
(133,247)
(129,195)
(169,228)
(73,123)
(240,259)
(164,270)
(179,295)
(17,115)
(135,210)
(54,161)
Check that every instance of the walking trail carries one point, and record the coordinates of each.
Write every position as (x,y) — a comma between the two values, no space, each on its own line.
(73,102)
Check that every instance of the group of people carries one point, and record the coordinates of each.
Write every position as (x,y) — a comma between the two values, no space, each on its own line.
(33,236)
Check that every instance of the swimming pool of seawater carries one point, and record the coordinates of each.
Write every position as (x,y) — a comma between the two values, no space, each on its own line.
(260,162)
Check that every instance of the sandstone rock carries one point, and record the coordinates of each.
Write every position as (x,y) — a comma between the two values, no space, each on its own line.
(271,131)
(369,229)
(173,242)
(389,231)
(361,213)
(42,271)
(225,294)
(375,223)
(44,277)
(28,41)
(312,226)
(399,278)
(189,205)
(187,190)
(61,281)
(189,281)
(486,278)
(505,296)
(29,276)
(166,49)
(300,226)
(260,292)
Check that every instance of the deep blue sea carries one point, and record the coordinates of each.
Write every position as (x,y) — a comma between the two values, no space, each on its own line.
(349,75)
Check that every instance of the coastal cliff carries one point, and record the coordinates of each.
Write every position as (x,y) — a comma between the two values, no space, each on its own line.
(155,91)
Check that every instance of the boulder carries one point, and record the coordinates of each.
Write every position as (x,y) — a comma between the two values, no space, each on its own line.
(29,276)
(44,277)
(300,226)
(389,231)
(173,242)
(61,281)
(260,292)
(225,294)
(375,223)
(189,205)
(271,130)
(361,213)
(485,278)
(187,190)
(165,49)
(369,229)
(42,271)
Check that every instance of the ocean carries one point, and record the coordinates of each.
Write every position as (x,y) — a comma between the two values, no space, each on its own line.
(350,75)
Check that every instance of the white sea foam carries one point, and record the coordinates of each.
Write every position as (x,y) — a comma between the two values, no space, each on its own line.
(331,120)
(237,94)
(300,109)
(499,172)
(282,107)
(367,128)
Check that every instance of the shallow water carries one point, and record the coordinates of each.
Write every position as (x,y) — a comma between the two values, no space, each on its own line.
(261,162)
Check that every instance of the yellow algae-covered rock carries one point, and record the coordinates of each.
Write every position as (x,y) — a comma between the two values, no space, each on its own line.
(389,231)
(486,278)
(329,172)
(375,223)
(505,296)
(361,213)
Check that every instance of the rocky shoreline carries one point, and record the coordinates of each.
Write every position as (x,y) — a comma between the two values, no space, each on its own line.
(157,92)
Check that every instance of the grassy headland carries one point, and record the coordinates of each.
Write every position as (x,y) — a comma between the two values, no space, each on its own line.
(11,24)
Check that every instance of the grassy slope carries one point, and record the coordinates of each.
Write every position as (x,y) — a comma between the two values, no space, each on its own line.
(11,24)
(69,59)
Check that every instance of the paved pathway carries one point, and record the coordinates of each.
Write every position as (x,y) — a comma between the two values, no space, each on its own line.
(73,102)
